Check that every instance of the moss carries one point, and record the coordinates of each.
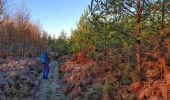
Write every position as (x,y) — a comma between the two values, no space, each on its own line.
(126,81)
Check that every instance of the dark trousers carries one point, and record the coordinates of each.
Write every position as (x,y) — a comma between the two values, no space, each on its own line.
(45,71)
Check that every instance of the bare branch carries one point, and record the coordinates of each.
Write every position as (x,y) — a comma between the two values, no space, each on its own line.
(130,12)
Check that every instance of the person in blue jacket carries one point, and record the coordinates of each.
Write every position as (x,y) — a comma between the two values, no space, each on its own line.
(45,61)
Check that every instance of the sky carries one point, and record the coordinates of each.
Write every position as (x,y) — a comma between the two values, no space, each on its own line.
(55,15)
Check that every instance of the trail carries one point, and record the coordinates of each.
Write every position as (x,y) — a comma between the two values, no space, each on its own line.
(49,89)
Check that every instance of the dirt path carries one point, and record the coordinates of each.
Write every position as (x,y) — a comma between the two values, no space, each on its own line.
(49,88)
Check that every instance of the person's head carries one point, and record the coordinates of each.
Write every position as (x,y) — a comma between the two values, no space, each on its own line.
(44,51)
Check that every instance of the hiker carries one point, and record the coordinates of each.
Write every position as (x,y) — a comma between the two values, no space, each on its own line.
(45,61)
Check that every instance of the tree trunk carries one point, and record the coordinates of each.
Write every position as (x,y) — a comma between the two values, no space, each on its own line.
(138,15)
(137,45)
(163,14)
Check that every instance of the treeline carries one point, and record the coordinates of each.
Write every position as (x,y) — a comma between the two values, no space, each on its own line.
(18,35)
(118,24)
(120,32)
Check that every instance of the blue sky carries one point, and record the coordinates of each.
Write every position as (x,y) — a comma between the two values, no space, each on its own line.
(55,15)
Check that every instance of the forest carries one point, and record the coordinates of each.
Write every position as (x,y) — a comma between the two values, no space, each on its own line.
(120,50)
(18,35)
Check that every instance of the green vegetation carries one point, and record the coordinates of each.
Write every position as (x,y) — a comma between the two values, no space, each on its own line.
(120,48)
(117,35)
(61,44)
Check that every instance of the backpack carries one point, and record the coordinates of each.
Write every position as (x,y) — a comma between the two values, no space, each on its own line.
(43,58)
